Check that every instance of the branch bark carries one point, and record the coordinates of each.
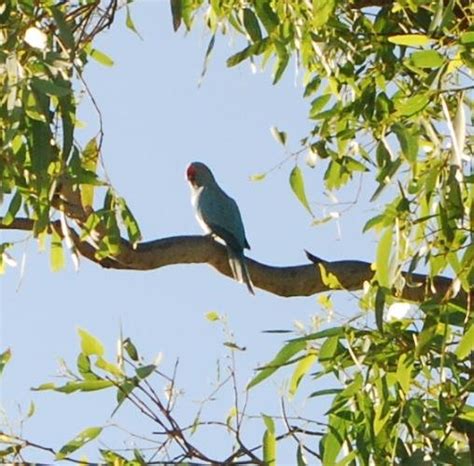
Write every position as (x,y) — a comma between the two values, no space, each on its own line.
(298,280)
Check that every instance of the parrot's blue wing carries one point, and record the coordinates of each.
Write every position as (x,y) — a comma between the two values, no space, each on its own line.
(228,237)
(222,215)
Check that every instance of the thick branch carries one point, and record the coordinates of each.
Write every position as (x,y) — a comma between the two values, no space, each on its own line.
(299,280)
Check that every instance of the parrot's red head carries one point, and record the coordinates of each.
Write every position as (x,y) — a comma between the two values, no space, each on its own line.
(199,174)
(191,173)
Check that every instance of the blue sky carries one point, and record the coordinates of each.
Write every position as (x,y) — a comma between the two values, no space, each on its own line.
(156,120)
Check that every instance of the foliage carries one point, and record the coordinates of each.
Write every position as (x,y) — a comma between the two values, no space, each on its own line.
(45,47)
(387,84)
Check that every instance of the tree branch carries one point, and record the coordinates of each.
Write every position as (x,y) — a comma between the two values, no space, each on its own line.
(299,280)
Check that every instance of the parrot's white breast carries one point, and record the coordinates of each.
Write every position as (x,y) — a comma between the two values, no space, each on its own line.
(195,193)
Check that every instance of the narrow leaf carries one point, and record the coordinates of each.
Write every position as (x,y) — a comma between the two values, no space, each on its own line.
(13,209)
(251,25)
(176,13)
(130,24)
(90,344)
(288,351)
(427,59)
(280,136)
(145,371)
(269,448)
(50,87)
(411,40)
(99,56)
(57,258)
(4,358)
(266,15)
(379,307)
(404,369)
(77,442)
(297,185)
(90,156)
(65,32)
(302,368)
(382,263)
(466,345)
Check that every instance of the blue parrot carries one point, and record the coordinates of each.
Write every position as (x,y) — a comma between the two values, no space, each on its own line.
(219,215)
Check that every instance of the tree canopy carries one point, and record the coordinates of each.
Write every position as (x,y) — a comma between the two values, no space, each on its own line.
(389,92)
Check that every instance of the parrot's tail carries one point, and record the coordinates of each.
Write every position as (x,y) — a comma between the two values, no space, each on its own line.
(239,268)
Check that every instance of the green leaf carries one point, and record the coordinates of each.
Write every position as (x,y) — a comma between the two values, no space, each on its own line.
(318,104)
(374,222)
(331,441)
(408,142)
(258,177)
(68,111)
(409,106)
(329,332)
(302,368)
(312,86)
(176,12)
(65,32)
(404,370)
(347,460)
(255,49)
(283,356)
(207,56)
(300,458)
(90,157)
(99,56)
(31,410)
(213,316)
(131,349)
(282,62)
(427,59)
(131,225)
(329,279)
(269,423)
(466,345)
(51,88)
(124,389)
(410,40)
(4,358)
(385,176)
(130,24)
(85,386)
(90,345)
(251,25)
(269,443)
(79,441)
(145,371)
(322,10)
(297,185)
(382,262)
(467,37)
(40,146)
(266,15)
(280,136)
(328,349)
(379,307)
(13,209)
(107,366)
(44,386)
(57,258)
(327,391)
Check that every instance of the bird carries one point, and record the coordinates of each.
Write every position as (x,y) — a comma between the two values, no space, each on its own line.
(219,215)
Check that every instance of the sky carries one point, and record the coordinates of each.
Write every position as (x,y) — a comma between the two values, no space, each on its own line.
(157,119)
